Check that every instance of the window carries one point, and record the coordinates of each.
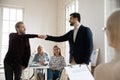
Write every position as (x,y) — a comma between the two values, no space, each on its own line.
(9,18)
(71,7)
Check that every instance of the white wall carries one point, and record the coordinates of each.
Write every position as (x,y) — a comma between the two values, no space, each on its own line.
(92,12)
(19,3)
(61,28)
(39,17)
(0,28)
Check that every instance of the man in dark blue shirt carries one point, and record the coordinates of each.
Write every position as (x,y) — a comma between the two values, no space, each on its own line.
(80,40)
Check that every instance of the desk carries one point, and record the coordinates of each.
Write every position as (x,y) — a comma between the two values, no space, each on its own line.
(2,72)
(40,67)
(35,70)
(1,68)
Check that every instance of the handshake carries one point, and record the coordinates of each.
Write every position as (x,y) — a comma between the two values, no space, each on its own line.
(42,36)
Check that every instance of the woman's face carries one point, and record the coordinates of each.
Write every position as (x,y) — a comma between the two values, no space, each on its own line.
(40,49)
(56,51)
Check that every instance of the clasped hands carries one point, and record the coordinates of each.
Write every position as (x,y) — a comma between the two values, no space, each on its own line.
(42,36)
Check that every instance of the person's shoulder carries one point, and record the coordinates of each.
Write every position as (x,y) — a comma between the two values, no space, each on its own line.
(36,54)
(85,27)
(12,34)
(101,68)
(101,72)
(70,31)
(45,53)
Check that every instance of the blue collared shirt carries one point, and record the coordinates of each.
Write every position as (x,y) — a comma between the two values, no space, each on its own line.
(41,58)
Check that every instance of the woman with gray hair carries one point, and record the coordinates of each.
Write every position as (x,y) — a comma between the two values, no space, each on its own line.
(41,57)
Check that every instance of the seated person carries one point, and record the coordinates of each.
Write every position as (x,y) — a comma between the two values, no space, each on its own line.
(56,64)
(41,57)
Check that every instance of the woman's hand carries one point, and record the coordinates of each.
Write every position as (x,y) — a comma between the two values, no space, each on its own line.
(42,63)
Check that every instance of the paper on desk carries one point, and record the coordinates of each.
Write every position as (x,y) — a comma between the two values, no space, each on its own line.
(77,72)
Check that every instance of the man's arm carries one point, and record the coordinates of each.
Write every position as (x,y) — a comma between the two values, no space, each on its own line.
(24,35)
(62,38)
(28,36)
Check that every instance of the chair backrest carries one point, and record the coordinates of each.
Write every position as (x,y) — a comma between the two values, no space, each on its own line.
(94,57)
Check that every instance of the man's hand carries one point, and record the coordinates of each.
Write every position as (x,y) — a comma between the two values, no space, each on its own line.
(42,36)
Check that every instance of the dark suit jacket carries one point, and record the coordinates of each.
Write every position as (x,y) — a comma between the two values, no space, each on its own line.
(19,49)
(82,48)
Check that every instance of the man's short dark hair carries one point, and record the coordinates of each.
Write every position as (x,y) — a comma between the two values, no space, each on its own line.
(76,15)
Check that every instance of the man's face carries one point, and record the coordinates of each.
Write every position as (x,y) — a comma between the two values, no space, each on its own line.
(21,29)
(72,21)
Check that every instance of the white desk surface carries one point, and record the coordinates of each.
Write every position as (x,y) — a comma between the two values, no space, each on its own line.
(39,67)
(1,66)
(35,67)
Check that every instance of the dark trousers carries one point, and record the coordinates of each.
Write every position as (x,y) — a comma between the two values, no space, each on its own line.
(12,71)
(53,75)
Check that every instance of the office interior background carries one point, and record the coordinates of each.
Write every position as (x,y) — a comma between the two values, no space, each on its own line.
(52,17)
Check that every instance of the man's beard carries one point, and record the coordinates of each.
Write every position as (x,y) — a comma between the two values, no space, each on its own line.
(71,24)
(22,32)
